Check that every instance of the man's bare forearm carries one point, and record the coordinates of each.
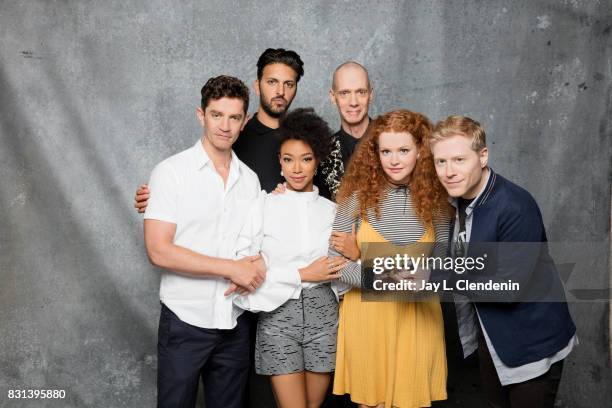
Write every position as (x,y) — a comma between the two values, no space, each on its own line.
(162,252)
(180,259)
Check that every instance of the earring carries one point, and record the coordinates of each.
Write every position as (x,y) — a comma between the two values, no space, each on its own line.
(282,175)
(315,173)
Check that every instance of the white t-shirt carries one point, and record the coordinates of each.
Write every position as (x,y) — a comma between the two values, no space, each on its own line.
(187,191)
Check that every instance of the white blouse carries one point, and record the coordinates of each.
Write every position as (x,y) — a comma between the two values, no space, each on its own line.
(295,231)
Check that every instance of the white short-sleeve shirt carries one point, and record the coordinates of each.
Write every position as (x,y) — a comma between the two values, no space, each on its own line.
(186,190)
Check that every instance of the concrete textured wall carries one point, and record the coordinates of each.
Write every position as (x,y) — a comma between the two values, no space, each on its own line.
(93,94)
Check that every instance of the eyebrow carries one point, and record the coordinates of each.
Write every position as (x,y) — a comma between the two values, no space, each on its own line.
(462,156)
(276,79)
(231,115)
(301,155)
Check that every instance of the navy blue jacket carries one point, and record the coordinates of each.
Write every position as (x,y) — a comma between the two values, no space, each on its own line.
(521,331)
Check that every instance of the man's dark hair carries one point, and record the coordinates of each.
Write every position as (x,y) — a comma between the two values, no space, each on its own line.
(305,125)
(224,86)
(280,56)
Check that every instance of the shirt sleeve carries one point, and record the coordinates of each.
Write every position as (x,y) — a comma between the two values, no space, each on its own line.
(281,284)
(346,215)
(282,278)
(441,224)
(251,235)
(164,187)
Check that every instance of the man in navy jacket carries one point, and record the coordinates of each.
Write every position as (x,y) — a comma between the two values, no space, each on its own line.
(522,336)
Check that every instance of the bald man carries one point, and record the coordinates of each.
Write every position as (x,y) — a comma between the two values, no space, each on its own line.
(351,93)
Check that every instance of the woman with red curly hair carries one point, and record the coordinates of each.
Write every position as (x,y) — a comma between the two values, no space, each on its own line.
(391,353)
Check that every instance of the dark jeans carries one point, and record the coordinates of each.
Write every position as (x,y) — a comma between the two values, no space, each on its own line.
(539,392)
(185,353)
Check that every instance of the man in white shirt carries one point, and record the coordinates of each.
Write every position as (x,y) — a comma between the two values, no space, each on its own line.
(199,204)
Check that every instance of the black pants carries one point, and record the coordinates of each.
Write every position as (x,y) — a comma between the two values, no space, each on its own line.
(185,353)
(539,392)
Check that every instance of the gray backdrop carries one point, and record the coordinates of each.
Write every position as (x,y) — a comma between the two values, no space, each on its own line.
(94,93)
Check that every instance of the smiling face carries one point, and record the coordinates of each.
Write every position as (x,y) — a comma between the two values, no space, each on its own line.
(298,164)
(222,121)
(460,169)
(352,94)
(276,88)
(398,155)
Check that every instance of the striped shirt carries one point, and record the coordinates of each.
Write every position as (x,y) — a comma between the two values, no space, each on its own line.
(398,224)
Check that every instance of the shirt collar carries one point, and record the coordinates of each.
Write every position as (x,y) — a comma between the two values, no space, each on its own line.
(454,201)
(200,156)
(343,132)
(256,126)
(398,188)
(202,159)
(306,196)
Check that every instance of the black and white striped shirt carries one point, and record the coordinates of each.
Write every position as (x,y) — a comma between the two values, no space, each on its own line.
(398,224)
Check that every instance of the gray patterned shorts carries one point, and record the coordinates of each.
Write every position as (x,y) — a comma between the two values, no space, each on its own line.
(300,335)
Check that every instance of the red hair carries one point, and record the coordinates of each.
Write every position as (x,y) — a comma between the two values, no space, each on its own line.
(366,177)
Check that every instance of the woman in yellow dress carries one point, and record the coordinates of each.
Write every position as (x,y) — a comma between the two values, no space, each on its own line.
(391,353)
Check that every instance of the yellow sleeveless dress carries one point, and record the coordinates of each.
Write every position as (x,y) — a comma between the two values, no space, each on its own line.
(390,352)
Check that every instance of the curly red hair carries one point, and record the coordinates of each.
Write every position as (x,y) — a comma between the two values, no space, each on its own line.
(366,177)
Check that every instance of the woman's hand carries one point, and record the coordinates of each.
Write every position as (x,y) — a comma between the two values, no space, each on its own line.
(418,276)
(346,244)
(323,269)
